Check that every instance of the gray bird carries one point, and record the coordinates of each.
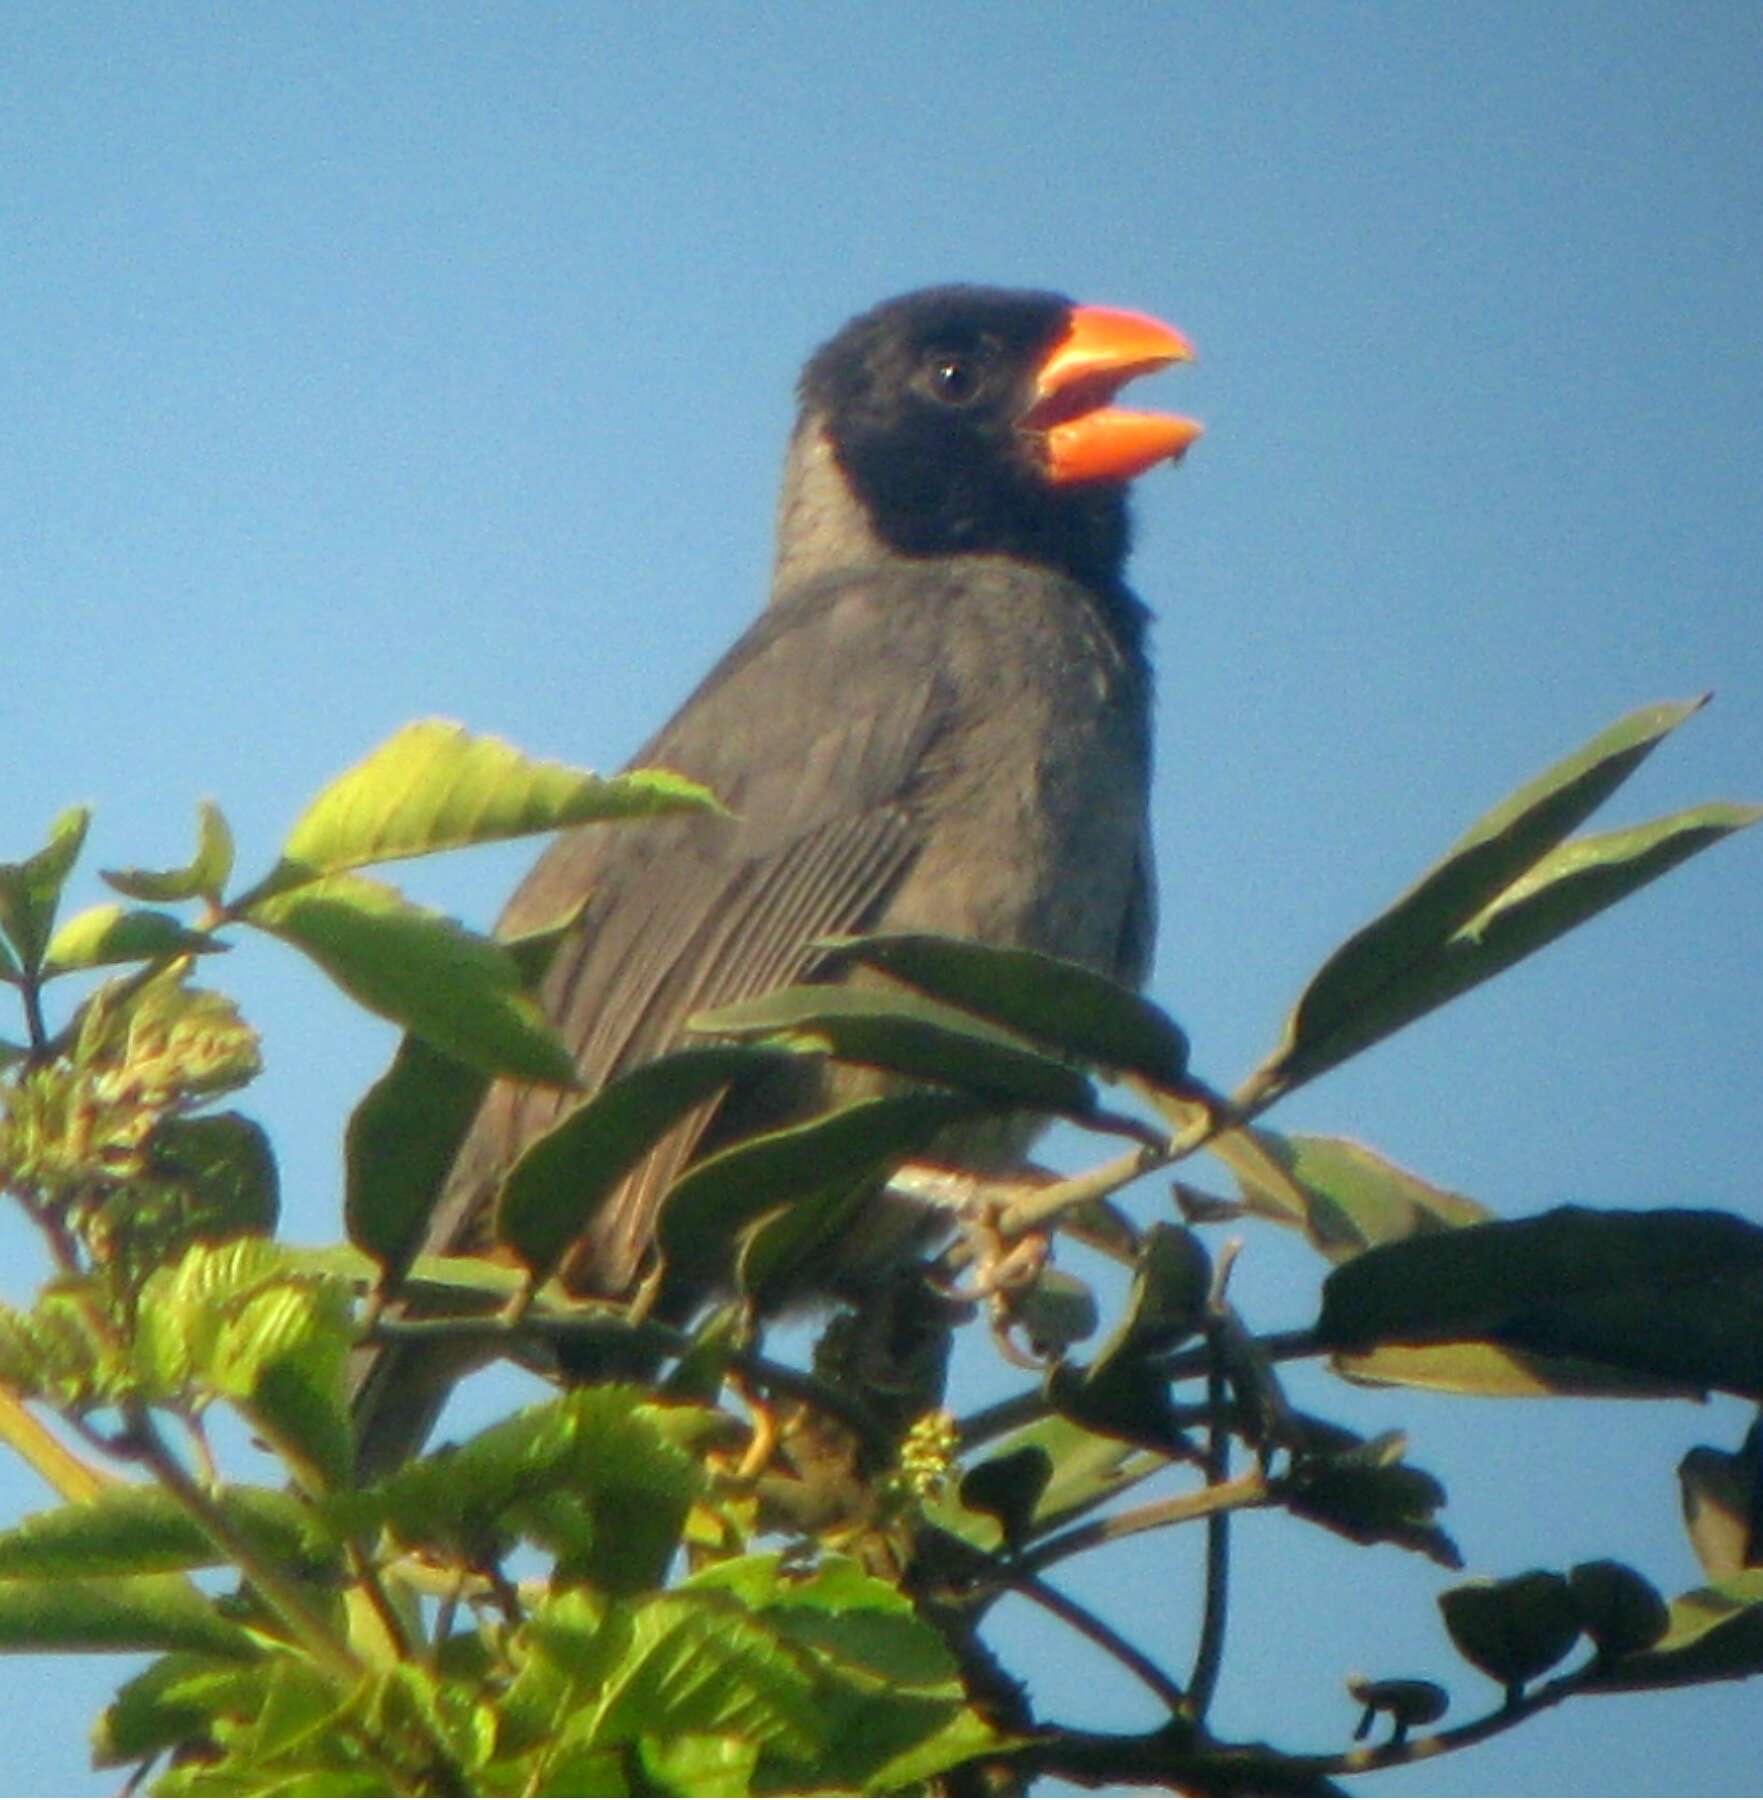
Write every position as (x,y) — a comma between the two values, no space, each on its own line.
(941,722)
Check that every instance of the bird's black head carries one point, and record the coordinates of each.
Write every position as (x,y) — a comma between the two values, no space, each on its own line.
(976,420)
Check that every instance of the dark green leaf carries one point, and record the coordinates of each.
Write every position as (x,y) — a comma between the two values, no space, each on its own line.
(434,786)
(30,891)
(1009,1488)
(1715,1634)
(144,1612)
(399,1148)
(1622,1612)
(908,1034)
(562,1177)
(1364,1491)
(1670,1294)
(225,1161)
(716,1199)
(114,934)
(458,990)
(1513,1630)
(1063,1004)
(1166,1303)
(1388,973)
(203,877)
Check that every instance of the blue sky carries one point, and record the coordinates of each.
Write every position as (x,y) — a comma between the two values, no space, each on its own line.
(369,363)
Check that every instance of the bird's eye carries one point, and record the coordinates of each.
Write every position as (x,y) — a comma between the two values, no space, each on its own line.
(953,376)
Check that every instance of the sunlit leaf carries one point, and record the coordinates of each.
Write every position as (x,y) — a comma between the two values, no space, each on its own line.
(116,934)
(435,786)
(30,891)
(204,876)
(460,991)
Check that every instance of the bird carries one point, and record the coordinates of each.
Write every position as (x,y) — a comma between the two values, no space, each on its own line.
(940,722)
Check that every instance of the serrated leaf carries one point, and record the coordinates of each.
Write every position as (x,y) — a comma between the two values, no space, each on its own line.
(1351,1197)
(171,1702)
(459,991)
(30,891)
(1044,998)
(147,1612)
(600,1477)
(203,877)
(399,1148)
(115,934)
(911,1035)
(435,786)
(561,1178)
(130,1529)
(1394,969)
(716,1199)
(1513,1630)
(1671,1294)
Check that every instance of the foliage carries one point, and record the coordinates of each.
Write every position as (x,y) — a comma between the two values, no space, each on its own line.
(748,1578)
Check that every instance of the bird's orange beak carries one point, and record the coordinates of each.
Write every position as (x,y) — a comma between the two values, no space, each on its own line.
(1086,438)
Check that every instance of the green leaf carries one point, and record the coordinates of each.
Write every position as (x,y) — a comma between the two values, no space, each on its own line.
(201,878)
(146,1612)
(460,991)
(116,934)
(561,1179)
(1045,998)
(1513,1630)
(434,786)
(1352,1197)
(1715,1634)
(716,1199)
(129,1529)
(399,1149)
(281,1355)
(173,1701)
(911,1035)
(1670,1295)
(30,891)
(602,1477)
(1399,966)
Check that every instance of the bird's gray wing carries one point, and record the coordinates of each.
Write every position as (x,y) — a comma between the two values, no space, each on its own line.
(822,781)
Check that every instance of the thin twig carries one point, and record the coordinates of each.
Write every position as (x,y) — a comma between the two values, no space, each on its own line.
(1230,1496)
(1209,1652)
(1105,1638)
(282,1596)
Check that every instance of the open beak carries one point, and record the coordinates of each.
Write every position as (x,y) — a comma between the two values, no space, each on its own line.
(1086,438)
